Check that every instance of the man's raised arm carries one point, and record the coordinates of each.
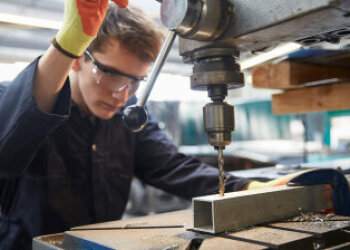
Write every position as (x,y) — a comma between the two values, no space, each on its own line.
(82,20)
(37,101)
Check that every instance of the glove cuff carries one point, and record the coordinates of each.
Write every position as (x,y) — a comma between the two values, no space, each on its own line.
(256,185)
(73,40)
(59,48)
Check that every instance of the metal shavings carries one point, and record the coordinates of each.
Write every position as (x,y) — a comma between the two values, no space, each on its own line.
(319,220)
(311,217)
(173,247)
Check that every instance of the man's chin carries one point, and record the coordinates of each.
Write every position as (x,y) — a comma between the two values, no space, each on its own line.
(105,115)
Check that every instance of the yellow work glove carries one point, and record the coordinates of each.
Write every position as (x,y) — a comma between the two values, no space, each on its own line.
(276,182)
(82,20)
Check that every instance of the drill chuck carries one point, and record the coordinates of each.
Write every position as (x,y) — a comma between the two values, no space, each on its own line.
(219,123)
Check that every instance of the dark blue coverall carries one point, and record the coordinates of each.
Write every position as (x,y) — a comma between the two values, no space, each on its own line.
(61,170)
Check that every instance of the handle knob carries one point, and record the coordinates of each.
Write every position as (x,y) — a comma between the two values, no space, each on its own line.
(135,118)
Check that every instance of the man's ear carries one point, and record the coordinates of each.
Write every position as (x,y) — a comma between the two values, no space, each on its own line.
(76,66)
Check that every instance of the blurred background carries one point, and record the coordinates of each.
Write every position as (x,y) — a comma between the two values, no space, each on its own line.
(260,139)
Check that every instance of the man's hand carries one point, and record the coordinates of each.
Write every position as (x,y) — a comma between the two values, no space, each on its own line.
(276,182)
(82,20)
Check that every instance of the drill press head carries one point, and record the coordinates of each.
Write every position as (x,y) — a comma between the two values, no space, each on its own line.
(209,25)
(214,66)
(215,70)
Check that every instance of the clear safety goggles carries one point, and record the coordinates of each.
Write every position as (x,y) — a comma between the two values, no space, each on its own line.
(114,78)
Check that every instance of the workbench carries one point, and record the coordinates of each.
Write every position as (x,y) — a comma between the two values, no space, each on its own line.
(173,231)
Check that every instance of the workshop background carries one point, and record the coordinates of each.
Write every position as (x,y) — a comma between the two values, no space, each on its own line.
(260,139)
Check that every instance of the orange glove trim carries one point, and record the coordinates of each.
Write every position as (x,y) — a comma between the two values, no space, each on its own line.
(92,14)
(121,3)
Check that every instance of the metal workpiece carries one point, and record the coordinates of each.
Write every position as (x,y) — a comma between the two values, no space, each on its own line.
(219,123)
(237,210)
(197,19)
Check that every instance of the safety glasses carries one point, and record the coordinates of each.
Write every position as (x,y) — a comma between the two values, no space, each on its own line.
(113,78)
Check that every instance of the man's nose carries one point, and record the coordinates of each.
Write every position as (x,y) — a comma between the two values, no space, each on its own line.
(121,94)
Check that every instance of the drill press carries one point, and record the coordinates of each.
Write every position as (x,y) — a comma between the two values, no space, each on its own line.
(211,34)
(214,68)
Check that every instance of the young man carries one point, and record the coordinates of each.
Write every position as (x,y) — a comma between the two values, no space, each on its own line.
(65,157)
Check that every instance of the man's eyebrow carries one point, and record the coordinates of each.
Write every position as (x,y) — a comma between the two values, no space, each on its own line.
(117,71)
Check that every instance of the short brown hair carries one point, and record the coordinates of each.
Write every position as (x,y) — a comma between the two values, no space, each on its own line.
(137,32)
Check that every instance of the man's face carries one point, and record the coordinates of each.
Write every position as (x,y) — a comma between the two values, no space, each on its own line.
(100,90)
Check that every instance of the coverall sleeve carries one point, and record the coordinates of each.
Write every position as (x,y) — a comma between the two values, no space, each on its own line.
(160,164)
(23,127)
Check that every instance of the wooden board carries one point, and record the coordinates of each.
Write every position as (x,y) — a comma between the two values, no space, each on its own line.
(312,99)
(286,75)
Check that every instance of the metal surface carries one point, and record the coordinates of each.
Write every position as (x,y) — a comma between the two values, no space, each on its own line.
(280,235)
(49,242)
(181,15)
(257,24)
(196,19)
(213,31)
(135,233)
(135,116)
(216,66)
(216,70)
(219,123)
(327,230)
(273,238)
(214,214)
(157,67)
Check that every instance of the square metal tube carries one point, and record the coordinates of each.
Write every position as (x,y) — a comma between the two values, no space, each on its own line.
(215,214)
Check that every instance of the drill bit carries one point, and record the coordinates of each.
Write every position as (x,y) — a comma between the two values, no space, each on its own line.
(221,171)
